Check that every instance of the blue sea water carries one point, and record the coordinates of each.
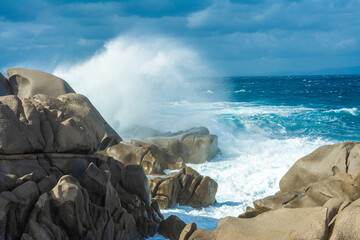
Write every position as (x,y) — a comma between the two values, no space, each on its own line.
(264,125)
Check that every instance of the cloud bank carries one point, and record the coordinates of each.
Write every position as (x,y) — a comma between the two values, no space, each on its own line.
(237,37)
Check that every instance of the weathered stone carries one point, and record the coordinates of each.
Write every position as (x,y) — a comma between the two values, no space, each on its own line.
(88,207)
(204,194)
(191,189)
(347,223)
(187,231)
(26,83)
(41,123)
(304,223)
(319,165)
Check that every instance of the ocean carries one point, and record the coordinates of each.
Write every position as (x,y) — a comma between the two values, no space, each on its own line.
(264,125)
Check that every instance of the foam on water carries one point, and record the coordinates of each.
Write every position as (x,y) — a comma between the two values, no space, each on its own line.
(352,111)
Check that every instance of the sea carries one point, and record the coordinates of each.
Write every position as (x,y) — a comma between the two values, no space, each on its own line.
(264,124)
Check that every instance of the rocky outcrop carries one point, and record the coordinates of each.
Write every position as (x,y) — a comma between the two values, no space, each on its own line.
(321,164)
(52,183)
(167,150)
(186,187)
(68,123)
(319,199)
(195,145)
(26,83)
(74,196)
(149,156)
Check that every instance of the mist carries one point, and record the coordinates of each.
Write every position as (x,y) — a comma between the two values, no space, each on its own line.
(128,78)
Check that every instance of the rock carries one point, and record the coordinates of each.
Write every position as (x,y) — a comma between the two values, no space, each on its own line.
(26,83)
(194,145)
(167,151)
(187,231)
(74,196)
(171,227)
(319,165)
(347,223)
(305,223)
(204,195)
(5,88)
(68,123)
(187,187)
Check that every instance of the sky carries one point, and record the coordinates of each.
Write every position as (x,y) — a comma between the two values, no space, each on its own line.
(232,38)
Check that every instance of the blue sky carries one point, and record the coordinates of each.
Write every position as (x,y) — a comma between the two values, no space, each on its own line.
(235,37)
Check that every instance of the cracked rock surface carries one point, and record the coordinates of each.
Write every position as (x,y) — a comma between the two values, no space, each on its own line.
(74,196)
(67,123)
(186,187)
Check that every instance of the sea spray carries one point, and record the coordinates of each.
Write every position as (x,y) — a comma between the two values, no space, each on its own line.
(130,74)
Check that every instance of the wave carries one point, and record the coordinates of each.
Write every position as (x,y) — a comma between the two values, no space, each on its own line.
(130,73)
(353,111)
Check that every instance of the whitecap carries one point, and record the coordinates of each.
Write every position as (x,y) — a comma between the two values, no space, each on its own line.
(353,111)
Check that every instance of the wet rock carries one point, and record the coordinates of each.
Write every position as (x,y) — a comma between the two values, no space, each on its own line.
(187,187)
(171,227)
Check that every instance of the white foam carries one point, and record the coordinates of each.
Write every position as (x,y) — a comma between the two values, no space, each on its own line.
(255,173)
(352,111)
(130,73)
(240,91)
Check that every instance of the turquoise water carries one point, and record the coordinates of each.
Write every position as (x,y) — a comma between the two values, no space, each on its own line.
(264,125)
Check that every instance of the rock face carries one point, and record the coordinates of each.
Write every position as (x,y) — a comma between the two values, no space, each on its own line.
(52,184)
(187,187)
(69,196)
(68,123)
(167,150)
(26,83)
(319,199)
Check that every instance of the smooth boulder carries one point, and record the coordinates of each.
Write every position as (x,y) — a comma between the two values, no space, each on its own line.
(26,83)
(321,164)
